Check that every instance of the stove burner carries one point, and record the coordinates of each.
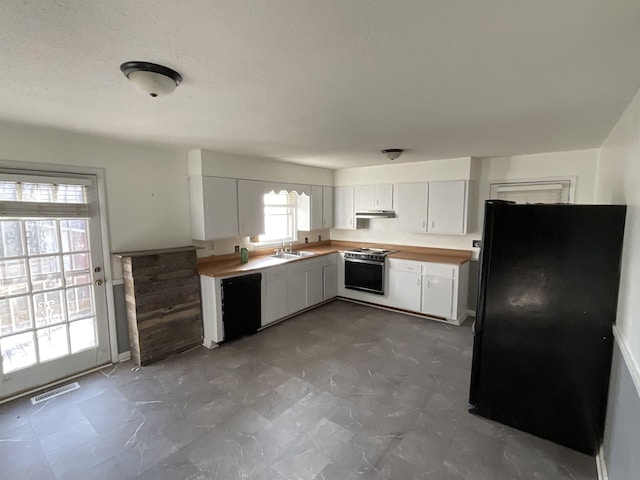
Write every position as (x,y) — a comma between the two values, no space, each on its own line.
(375,254)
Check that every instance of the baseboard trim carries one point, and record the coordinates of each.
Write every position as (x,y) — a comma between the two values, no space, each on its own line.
(632,366)
(457,322)
(210,344)
(124,356)
(275,322)
(54,383)
(601,465)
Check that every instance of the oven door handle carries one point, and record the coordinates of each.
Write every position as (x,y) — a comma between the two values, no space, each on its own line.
(368,262)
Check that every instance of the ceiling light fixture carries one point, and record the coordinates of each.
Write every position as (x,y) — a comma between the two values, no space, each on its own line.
(392,153)
(150,78)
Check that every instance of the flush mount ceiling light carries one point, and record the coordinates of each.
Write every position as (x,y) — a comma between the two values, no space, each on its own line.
(150,78)
(392,153)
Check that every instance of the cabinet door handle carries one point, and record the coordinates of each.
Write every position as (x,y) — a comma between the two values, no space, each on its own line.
(433,223)
(417,281)
(377,201)
(428,283)
(424,223)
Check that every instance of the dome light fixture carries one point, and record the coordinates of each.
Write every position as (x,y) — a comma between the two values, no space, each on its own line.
(150,78)
(392,153)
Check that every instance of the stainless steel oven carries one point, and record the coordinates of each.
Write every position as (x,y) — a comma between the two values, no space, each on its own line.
(364,270)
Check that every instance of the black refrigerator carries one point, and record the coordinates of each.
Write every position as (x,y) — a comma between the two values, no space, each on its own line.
(547,301)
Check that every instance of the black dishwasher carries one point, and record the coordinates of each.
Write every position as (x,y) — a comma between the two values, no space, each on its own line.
(241,305)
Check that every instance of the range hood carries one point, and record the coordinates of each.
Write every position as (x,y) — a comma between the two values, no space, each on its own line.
(376,214)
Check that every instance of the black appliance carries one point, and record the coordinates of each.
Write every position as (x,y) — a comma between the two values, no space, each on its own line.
(364,269)
(241,297)
(547,300)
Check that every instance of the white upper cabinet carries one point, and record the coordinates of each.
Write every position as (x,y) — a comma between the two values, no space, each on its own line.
(411,207)
(344,208)
(304,206)
(250,207)
(433,207)
(374,197)
(327,207)
(384,197)
(316,206)
(214,207)
(365,197)
(315,211)
(448,204)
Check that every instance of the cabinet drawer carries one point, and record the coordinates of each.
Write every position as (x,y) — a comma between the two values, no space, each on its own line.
(440,269)
(330,259)
(275,273)
(304,265)
(405,265)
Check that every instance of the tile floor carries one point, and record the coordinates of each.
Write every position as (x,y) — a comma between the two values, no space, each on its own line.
(342,392)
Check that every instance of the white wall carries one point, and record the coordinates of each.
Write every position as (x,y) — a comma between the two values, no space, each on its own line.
(146,187)
(577,163)
(449,169)
(218,164)
(618,181)
(384,230)
(581,164)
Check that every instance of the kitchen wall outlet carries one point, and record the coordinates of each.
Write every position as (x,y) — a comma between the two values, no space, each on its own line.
(236,249)
(477,243)
(306,239)
(319,238)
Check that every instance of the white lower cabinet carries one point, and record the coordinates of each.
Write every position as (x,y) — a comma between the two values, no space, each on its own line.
(437,296)
(435,289)
(330,279)
(277,295)
(439,287)
(293,287)
(314,282)
(405,285)
(297,291)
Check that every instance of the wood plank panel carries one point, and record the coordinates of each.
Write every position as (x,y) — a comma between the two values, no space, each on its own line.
(162,294)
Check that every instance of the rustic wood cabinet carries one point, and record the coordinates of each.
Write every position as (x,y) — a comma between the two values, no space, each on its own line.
(162,289)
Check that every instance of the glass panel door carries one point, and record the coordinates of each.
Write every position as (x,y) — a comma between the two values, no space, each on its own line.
(53,319)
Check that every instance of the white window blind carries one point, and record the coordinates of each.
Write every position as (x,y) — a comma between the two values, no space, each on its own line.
(533,192)
(22,196)
(279,217)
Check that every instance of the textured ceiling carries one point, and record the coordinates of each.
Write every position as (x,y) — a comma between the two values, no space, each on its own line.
(328,83)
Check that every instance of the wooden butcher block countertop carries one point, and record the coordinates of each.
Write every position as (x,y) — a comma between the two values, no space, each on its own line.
(225,265)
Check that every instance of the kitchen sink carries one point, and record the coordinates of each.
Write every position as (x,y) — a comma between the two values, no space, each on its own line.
(292,255)
(285,256)
(302,253)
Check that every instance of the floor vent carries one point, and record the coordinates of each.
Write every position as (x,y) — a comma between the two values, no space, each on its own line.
(56,392)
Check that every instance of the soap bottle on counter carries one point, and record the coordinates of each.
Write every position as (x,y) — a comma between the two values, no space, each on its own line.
(244,255)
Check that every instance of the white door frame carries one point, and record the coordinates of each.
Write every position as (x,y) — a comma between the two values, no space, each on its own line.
(34,168)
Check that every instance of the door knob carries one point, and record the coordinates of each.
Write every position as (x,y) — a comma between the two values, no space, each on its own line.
(97,269)
(98,282)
